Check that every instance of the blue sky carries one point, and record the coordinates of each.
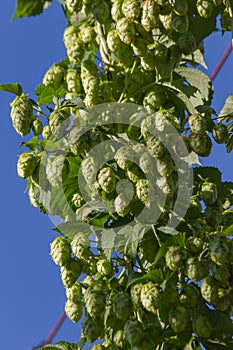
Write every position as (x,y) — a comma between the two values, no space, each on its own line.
(31,294)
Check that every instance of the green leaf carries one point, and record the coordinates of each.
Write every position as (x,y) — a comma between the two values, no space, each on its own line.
(228,231)
(26,8)
(197,79)
(182,96)
(211,174)
(60,346)
(45,94)
(226,113)
(31,144)
(14,88)
(222,325)
(229,144)
(156,276)
(218,345)
(69,229)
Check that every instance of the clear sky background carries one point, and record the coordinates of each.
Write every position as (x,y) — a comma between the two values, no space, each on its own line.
(31,294)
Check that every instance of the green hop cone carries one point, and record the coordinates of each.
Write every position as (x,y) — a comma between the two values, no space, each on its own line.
(204,8)
(71,272)
(155,147)
(220,133)
(180,23)
(74,46)
(142,190)
(87,33)
(107,180)
(73,81)
(134,173)
(37,127)
(77,200)
(175,257)
(94,302)
(73,310)
(21,114)
(116,10)
(73,5)
(113,41)
(81,247)
(60,251)
(89,170)
(34,195)
(58,122)
(104,267)
(178,318)
(133,332)
(27,163)
(131,9)
(122,306)
(194,245)
(195,269)
(74,293)
(46,132)
(201,144)
(213,216)
(150,13)
(92,328)
(57,170)
(150,297)
(201,326)
(98,347)
(155,99)
(190,296)
(78,143)
(209,192)
(180,7)
(126,30)
(219,249)
(54,77)
(187,43)
(209,289)
(124,157)
(119,340)
(135,293)
(197,123)
(220,272)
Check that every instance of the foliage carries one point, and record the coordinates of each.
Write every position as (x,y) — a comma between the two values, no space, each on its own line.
(144,247)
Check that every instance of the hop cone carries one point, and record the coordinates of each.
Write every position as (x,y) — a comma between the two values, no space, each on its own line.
(131,9)
(60,251)
(74,293)
(54,77)
(107,180)
(34,194)
(150,297)
(73,310)
(201,144)
(209,192)
(26,165)
(73,5)
(37,127)
(71,272)
(220,133)
(124,157)
(81,247)
(175,257)
(135,294)
(73,81)
(94,302)
(104,267)
(21,114)
(58,122)
(89,170)
(57,169)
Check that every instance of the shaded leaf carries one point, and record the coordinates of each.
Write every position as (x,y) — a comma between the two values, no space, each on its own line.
(107,242)
(14,88)
(226,113)
(26,8)
(211,174)
(69,229)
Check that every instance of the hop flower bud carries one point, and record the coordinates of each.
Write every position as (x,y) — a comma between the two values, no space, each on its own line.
(126,30)
(209,289)
(195,269)
(21,114)
(73,5)
(37,127)
(209,192)
(89,169)
(131,9)
(104,267)
(219,249)
(58,122)
(150,13)
(135,294)
(81,247)
(119,340)
(107,180)
(94,301)
(197,123)
(201,144)
(46,133)
(74,293)
(54,77)
(150,297)
(220,133)
(190,296)
(57,170)
(122,306)
(27,163)
(60,251)
(73,81)
(71,272)
(175,257)
(73,310)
